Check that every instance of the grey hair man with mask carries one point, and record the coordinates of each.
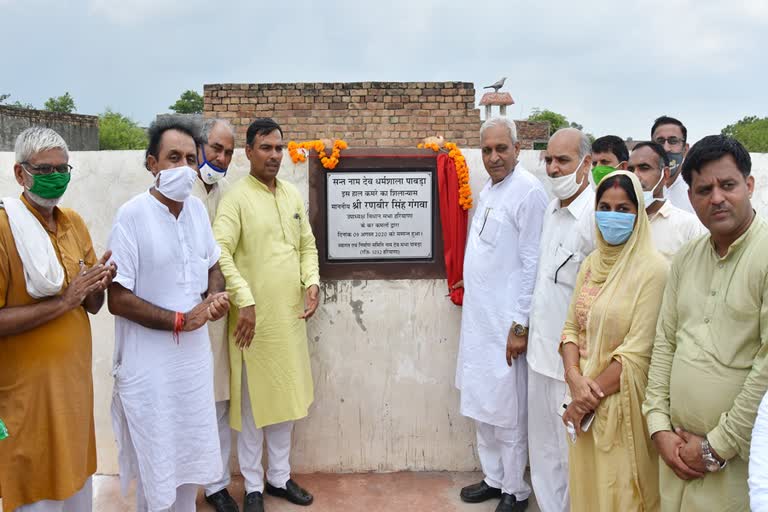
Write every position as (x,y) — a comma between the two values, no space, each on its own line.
(168,286)
(214,153)
(567,238)
(50,280)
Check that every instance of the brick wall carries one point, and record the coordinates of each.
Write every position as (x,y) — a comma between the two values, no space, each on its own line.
(365,114)
(374,114)
(80,132)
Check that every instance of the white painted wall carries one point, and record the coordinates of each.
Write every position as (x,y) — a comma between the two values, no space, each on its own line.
(383,352)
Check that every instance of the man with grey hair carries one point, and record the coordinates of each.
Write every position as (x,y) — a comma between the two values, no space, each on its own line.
(499,274)
(50,279)
(214,153)
(566,240)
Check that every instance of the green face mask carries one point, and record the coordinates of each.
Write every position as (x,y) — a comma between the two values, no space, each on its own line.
(50,186)
(599,172)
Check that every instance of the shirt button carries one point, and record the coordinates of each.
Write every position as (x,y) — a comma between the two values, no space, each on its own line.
(714,293)
(706,320)
(720,265)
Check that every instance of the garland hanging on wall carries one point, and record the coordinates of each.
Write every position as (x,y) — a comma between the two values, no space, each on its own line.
(462,170)
(299,151)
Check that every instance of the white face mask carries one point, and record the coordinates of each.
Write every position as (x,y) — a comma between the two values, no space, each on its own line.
(210,174)
(565,187)
(648,194)
(176,184)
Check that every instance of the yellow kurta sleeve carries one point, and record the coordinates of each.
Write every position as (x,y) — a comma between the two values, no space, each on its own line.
(310,269)
(656,405)
(571,327)
(226,229)
(733,433)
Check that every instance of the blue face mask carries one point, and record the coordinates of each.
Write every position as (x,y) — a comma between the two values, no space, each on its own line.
(616,227)
(209,173)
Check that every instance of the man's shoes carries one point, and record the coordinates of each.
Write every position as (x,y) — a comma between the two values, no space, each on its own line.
(253,502)
(222,501)
(292,492)
(477,493)
(508,503)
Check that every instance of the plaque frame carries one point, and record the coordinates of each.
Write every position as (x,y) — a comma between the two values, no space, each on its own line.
(375,160)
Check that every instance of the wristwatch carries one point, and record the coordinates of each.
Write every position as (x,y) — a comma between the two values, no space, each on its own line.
(710,462)
(518,329)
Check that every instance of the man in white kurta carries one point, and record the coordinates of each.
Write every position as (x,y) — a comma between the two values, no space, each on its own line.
(163,409)
(217,146)
(671,227)
(499,275)
(566,240)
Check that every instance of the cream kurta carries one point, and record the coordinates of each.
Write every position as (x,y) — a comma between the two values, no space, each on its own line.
(708,370)
(216,330)
(268,259)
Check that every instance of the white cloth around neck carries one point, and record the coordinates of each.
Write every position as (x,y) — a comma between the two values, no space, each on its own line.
(43,273)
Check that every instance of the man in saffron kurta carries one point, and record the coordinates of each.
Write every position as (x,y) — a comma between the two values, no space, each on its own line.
(269,261)
(46,389)
(708,370)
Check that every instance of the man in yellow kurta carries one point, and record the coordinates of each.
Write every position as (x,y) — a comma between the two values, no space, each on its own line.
(269,261)
(49,281)
(708,373)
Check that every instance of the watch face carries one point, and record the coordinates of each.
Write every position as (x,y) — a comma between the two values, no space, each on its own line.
(519,330)
(713,466)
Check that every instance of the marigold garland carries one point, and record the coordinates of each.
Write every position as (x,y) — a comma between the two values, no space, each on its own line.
(295,150)
(462,170)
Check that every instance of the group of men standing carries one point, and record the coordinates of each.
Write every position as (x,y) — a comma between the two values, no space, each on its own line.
(211,293)
(522,260)
(202,339)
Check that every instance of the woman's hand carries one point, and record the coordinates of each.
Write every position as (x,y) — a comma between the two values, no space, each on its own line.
(585,392)
(574,415)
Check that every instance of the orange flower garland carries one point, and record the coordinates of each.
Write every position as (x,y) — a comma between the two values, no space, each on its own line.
(462,170)
(329,162)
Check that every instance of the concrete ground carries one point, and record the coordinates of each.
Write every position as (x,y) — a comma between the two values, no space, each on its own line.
(368,492)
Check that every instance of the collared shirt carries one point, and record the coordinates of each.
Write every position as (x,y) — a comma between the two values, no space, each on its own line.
(672,228)
(567,239)
(678,195)
(708,371)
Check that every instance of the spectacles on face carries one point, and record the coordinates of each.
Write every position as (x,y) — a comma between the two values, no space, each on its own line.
(47,168)
(672,141)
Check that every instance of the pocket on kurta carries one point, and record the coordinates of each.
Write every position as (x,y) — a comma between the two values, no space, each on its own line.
(489,231)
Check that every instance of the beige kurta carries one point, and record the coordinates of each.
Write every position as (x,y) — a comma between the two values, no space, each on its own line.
(708,371)
(269,259)
(46,388)
(216,330)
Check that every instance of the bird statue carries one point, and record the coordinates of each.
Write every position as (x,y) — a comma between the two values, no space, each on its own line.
(498,85)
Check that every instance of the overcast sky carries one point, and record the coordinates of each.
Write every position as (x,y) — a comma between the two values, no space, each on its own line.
(611,66)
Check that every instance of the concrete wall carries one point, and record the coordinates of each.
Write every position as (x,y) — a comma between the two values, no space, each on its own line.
(383,352)
(81,132)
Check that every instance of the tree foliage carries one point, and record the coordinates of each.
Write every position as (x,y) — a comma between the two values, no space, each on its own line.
(17,103)
(751,131)
(190,102)
(117,131)
(63,104)
(555,120)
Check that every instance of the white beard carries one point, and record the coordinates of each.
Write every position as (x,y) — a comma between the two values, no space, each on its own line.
(41,201)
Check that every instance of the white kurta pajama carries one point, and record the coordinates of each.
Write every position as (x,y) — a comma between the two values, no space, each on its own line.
(566,240)
(163,409)
(499,275)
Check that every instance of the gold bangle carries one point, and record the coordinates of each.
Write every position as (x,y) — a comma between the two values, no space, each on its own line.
(571,368)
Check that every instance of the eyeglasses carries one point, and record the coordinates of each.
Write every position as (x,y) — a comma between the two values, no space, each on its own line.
(672,141)
(48,169)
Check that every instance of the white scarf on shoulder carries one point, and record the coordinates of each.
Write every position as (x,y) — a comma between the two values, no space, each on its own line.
(42,271)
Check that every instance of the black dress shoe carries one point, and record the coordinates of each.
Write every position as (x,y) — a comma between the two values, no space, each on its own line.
(253,502)
(292,492)
(508,503)
(222,501)
(477,493)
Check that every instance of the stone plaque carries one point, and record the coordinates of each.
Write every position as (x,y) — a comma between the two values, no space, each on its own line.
(379,215)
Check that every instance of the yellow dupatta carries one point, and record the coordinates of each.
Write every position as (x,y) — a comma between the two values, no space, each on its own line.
(621,325)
